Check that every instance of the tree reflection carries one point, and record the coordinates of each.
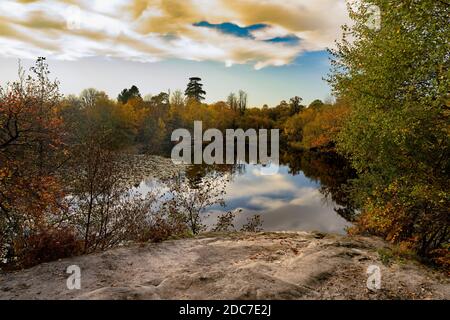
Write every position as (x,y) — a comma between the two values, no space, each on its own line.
(329,169)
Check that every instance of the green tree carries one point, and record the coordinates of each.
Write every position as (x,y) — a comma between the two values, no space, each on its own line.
(296,105)
(127,94)
(316,104)
(396,80)
(195,90)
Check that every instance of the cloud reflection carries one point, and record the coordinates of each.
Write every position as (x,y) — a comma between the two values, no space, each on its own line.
(285,202)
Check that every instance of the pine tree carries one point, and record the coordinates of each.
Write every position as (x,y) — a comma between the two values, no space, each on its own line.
(127,94)
(195,90)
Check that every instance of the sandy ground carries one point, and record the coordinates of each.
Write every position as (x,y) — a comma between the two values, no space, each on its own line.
(232,266)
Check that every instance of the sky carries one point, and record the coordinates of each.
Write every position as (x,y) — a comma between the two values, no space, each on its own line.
(271,49)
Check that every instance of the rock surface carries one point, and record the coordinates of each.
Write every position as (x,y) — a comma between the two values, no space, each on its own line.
(232,266)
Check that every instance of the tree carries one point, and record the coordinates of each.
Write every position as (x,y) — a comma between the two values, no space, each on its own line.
(195,90)
(321,131)
(176,109)
(242,101)
(316,104)
(232,101)
(177,99)
(156,121)
(31,151)
(102,209)
(295,104)
(396,80)
(127,94)
(162,99)
(89,96)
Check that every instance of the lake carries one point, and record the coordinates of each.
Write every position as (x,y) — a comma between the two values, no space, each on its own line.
(307,194)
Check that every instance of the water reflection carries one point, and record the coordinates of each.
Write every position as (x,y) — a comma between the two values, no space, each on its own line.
(308,193)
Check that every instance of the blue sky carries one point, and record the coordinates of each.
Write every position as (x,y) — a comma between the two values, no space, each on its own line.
(272,49)
(266,86)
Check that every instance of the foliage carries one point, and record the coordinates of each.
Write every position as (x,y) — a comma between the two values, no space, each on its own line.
(100,206)
(63,188)
(322,130)
(316,126)
(253,224)
(31,149)
(295,104)
(441,257)
(396,81)
(225,222)
(161,227)
(128,94)
(45,245)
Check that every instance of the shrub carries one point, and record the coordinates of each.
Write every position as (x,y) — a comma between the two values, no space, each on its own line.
(225,222)
(254,224)
(160,227)
(47,244)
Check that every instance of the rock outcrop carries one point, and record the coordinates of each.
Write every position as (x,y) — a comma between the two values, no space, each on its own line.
(233,266)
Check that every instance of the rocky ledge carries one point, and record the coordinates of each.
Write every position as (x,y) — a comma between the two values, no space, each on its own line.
(234,266)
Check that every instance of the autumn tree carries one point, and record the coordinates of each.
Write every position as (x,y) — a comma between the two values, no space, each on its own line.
(176,110)
(31,151)
(324,126)
(102,208)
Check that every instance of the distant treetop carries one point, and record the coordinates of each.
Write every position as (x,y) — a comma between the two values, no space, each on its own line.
(195,90)
(127,94)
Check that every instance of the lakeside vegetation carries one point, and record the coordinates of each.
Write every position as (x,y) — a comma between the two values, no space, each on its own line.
(61,190)
(396,80)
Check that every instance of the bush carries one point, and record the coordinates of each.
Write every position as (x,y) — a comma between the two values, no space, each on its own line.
(254,224)
(161,227)
(225,222)
(46,245)
(441,257)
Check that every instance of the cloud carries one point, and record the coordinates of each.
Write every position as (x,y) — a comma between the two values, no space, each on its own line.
(259,32)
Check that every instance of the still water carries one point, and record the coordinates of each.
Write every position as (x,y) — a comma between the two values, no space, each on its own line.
(307,194)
